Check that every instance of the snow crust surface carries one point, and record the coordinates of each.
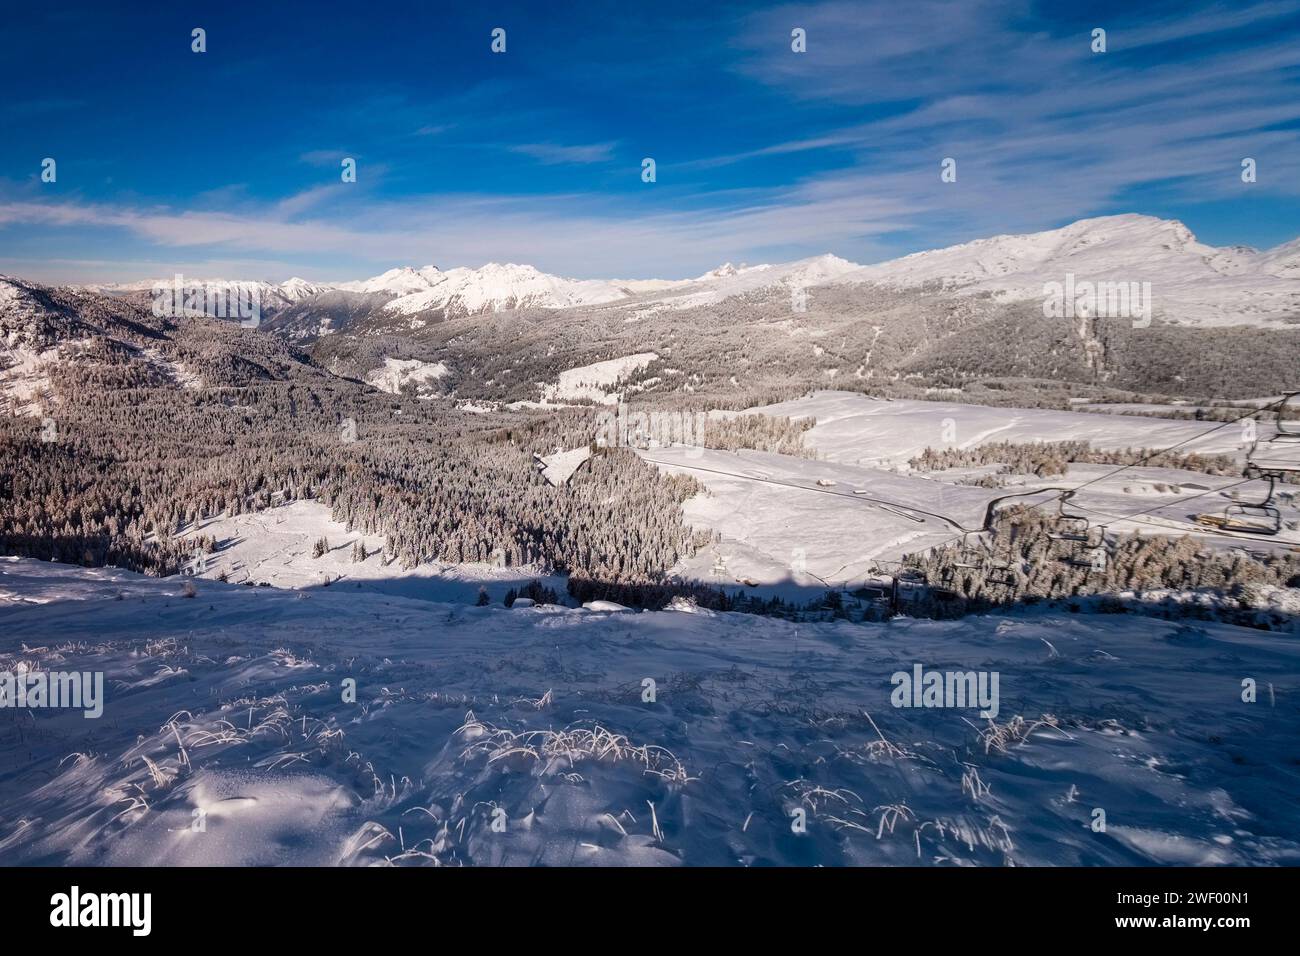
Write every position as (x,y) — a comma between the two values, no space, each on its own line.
(229,707)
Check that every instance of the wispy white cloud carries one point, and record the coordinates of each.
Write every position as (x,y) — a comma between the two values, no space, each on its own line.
(555,154)
(1043,131)
(323,157)
(554,232)
(1042,128)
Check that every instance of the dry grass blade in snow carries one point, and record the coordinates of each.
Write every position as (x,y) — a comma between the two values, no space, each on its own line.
(569,746)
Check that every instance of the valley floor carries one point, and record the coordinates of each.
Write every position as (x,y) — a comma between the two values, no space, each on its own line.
(536,720)
(793,526)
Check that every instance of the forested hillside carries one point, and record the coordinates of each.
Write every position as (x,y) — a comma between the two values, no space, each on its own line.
(122,456)
(757,347)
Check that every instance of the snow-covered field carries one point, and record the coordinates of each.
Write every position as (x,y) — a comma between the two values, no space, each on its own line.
(226,737)
(596,381)
(784,534)
(275,547)
(791,526)
(857,428)
(395,373)
(559,467)
(25,379)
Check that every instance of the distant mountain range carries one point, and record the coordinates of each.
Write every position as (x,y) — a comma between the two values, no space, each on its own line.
(1191,283)
(969,318)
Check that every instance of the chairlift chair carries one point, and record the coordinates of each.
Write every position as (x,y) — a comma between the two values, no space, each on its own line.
(1253,519)
(969,557)
(1288,427)
(1084,561)
(1075,530)
(1070,527)
(999,571)
(1278,456)
(1271,460)
(1002,575)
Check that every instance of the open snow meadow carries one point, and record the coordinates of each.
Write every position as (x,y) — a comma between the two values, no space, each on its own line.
(600,736)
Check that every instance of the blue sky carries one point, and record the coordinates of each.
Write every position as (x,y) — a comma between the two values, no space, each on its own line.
(227,163)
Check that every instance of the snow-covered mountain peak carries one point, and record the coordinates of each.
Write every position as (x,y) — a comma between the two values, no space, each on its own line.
(297,288)
(497,286)
(818,268)
(727,271)
(1190,281)
(400,281)
(723,271)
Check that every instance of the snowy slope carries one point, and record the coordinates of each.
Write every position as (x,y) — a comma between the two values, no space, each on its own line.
(560,467)
(728,281)
(226,738)
(25,353)
(793,527)
(1283,260)
(1191,282)
(25,378)
(276,547)
(17,303)
(784,533)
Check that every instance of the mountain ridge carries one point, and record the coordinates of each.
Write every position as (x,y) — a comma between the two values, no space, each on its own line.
(1192,282)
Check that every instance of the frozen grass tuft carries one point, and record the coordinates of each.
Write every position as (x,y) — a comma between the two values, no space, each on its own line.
(883,747)
(567,748)
(1001,737)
